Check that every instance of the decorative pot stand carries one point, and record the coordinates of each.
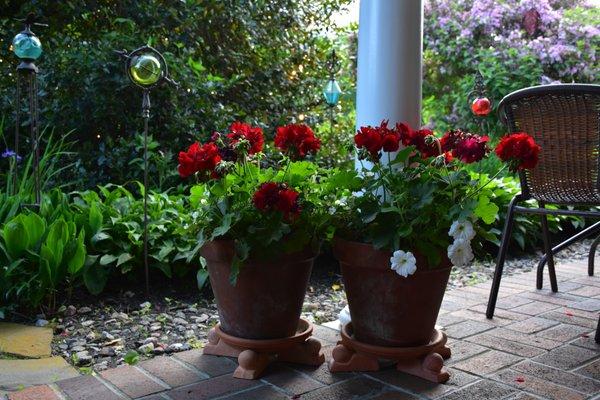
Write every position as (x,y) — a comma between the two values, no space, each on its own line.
(255,355)
(425,361)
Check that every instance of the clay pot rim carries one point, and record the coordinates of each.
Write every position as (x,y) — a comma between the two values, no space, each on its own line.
(304,330)
(387,252)
(311,254)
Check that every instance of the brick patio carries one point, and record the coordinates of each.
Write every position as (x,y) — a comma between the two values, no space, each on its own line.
(539,346)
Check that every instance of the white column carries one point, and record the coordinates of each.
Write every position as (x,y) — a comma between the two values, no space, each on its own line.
(390,42)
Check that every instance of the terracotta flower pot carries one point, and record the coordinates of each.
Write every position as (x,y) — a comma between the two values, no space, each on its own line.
(386,308)
(267,299)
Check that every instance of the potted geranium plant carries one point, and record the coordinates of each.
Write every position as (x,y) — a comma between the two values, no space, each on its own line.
(407,220)
(260,222)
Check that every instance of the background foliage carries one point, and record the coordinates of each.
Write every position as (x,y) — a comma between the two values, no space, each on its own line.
(262,61)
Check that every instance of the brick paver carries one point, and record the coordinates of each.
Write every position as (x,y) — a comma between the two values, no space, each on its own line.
(488,362)
(566,357)
(170,371)
(35,393)
(132,381)
(211,388)
(539,346)
(86,387)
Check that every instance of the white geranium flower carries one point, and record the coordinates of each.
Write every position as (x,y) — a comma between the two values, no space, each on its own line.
(460,252)
(344,316)
(404,263)
(462,231)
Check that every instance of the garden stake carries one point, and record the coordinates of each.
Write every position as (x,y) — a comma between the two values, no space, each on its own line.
(27,48)
(146,68)
(332,90)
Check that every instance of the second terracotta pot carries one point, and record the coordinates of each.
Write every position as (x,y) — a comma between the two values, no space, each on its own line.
(266,301)
(386,308)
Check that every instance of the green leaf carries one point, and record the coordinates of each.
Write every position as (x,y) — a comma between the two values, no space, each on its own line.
(94,276)
(78,260)
(122,259)
(107,259)
(95,219)
(222,229)
(201,278)
(15,237)
(100,236)
(132,357)
(36,227)
(165,268)
(486,210)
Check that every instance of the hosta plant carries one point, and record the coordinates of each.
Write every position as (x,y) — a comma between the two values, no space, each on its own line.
(415,194)
(269,205)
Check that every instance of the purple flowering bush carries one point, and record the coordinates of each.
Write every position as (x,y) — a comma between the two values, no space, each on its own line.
(514,43)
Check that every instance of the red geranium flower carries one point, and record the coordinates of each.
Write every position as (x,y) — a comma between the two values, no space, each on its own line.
(520,150)
(450,138)
(370,139)
(298,140)
(375,139)
(272,196)
(266,196)
(253,134)
(404,132)
(481,106)
(288,202)
(425,142)
(471,148)
(198,158)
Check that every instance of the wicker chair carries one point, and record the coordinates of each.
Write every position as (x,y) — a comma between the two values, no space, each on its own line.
(565,121)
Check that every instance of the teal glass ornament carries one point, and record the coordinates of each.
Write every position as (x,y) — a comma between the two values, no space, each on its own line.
(27,46)
(145,69)
(332,92)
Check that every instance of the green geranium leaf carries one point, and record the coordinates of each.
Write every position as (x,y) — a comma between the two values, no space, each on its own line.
(486,210)
(201,278)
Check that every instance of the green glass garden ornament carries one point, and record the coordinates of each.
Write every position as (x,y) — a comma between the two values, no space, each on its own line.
(145,69)
(27,46)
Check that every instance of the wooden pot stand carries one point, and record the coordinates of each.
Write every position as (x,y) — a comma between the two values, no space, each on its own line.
(255,355)
(425,361)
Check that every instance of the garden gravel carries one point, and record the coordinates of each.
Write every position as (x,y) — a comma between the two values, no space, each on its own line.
(98,335)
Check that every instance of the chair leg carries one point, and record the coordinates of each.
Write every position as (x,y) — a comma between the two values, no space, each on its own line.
(549,255)
(589,231)
(508,224)
(592,256)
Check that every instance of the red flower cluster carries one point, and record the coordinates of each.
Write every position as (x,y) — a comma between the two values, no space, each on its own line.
(424,140)
(298,140)
(467,147)
(198,158)
(520,150)
(254,135)
(277,196)
(481,106)
(375,139)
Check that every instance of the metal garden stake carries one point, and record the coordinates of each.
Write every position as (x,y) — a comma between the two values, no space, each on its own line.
(146,68)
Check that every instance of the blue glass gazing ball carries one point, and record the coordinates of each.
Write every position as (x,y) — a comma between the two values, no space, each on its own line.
(27,46)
